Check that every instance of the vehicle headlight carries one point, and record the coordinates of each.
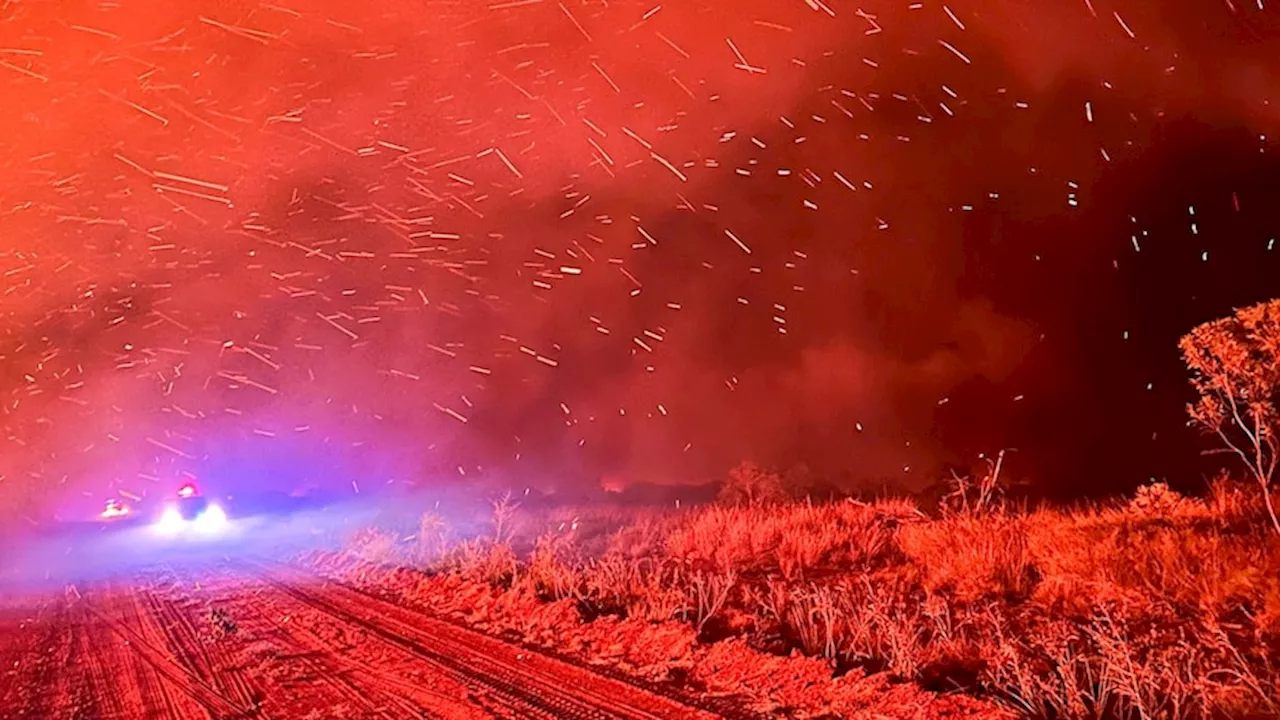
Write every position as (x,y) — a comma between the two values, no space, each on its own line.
(170,521)
(211,520)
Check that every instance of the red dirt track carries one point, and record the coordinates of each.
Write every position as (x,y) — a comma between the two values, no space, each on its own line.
(273,642)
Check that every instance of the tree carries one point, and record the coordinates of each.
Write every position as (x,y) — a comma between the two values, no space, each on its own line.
(799,481)
(749,484)
(1235,368)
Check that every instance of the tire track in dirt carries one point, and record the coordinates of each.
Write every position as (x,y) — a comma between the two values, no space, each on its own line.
(288,662)
(497,699)
(143,650)
(169,684)
(176,615)
(729,707)
(379,684)
(25,632)
(124,681)
(39,684)
(524,680)
(158,696)
(376,693)
(70,660)
(112,680)
(76,690)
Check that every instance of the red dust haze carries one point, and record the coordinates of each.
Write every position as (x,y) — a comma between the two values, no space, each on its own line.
(318,242)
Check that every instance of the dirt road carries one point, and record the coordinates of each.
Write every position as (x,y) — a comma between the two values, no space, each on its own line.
(268,641)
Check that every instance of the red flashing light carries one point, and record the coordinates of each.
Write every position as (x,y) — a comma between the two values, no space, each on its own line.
(187,490)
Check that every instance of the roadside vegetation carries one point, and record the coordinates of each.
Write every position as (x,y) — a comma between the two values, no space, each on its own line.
(1156,605)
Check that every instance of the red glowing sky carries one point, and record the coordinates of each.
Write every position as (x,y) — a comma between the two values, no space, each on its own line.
(554,240)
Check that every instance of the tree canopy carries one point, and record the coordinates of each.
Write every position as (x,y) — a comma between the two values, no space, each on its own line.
(1235,369)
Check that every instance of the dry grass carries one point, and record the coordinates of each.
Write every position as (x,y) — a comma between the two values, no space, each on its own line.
(1160,607)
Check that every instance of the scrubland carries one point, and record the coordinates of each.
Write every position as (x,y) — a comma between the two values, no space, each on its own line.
(1152,606)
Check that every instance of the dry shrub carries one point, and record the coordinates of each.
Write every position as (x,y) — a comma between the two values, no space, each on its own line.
(653,651)
(482,560)
(804,687)
(1045,674)
(432,538)
(1205,570)
(592,528)
(807,615)
(708,592)
(968,497)
(749,484)
(643,538)
(883,625)
(873,622)
(373,545)
(504,518)
(1159,607)
(550,570)
(792,539)
(1149,679)
(723,537)
(972,557)
(1195,567)
(774,683)
(661,599)
(614,581)
(641,589)
(1158,500)
(520,611)
(1112,668)
(1232,502)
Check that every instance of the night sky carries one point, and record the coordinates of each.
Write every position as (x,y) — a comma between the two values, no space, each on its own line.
(538,243)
